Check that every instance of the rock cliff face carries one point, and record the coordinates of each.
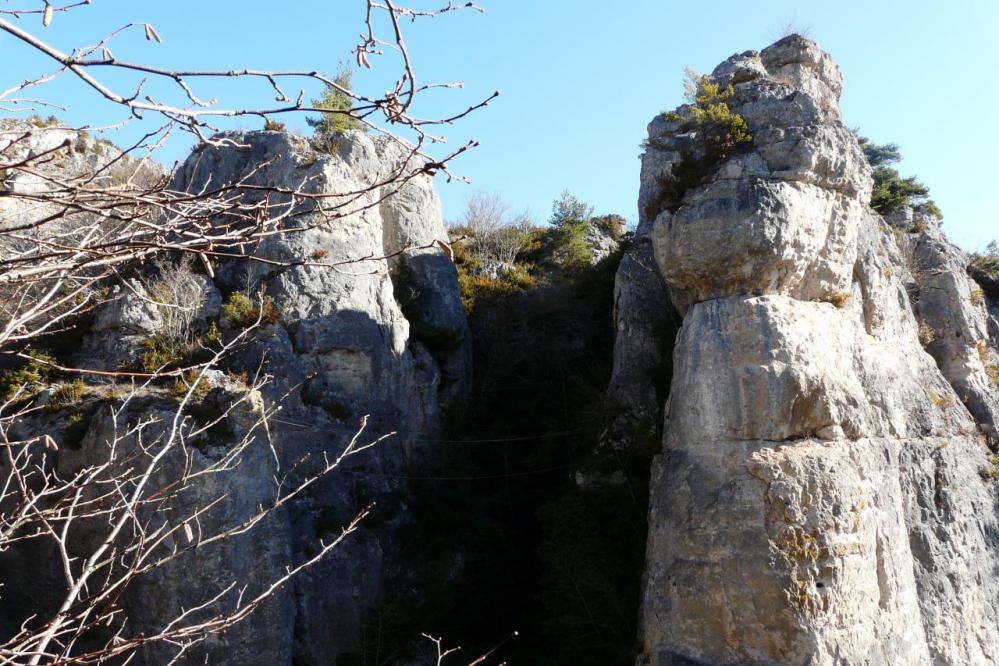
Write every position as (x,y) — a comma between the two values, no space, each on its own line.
(953,312)
(386,337)
(820,497)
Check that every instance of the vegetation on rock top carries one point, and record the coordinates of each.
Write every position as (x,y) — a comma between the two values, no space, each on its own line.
(337,121)
(497,259)
(708,133)
(988,262)
(892,192)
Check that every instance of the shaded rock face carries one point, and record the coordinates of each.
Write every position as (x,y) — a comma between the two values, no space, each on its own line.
(819,498)
(30,573)
(386,337)
(645,326)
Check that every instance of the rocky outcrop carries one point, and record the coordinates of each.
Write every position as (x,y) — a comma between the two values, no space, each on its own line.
(602,241)
(54,150)
(56,156)
(645,326)
(952,311)
(819,498)
(252,558)
(385,337)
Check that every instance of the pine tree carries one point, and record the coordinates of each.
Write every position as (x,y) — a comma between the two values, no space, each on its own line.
(330,125)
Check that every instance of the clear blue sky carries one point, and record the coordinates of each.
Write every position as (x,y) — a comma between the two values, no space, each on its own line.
(580,80)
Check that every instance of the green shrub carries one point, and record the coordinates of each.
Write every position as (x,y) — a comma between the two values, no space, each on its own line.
(330,125)
(520,277)
(65,395)
(878,154)
(184,383)
(892,192)
(181,338)
(569,246)
(567,210)
(534,244)
(716,134)
(988,262)
(566,239)
(163,352)
(240,311)
(478,288)
(464,256)
(32,374)
(991,473)
(213,334)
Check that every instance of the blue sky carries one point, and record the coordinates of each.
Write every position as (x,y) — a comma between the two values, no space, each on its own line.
(580,80)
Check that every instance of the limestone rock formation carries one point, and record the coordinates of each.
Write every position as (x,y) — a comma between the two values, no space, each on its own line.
(61,154)
(32,583)
(645,325)
(602,243)
(952,310)
(820,497)
(385,337)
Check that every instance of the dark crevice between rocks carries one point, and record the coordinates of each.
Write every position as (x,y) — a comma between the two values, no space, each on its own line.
(987,279)
(502,539)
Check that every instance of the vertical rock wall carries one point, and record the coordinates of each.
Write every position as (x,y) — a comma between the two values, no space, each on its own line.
(385,338)
(820,495)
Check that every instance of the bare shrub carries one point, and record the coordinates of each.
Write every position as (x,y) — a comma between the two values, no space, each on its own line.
(498,235)
(179,295)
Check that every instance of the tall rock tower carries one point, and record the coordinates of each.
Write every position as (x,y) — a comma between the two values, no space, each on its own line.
(822,494)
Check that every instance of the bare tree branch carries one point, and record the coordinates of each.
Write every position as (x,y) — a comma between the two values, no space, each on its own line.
(79,218)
